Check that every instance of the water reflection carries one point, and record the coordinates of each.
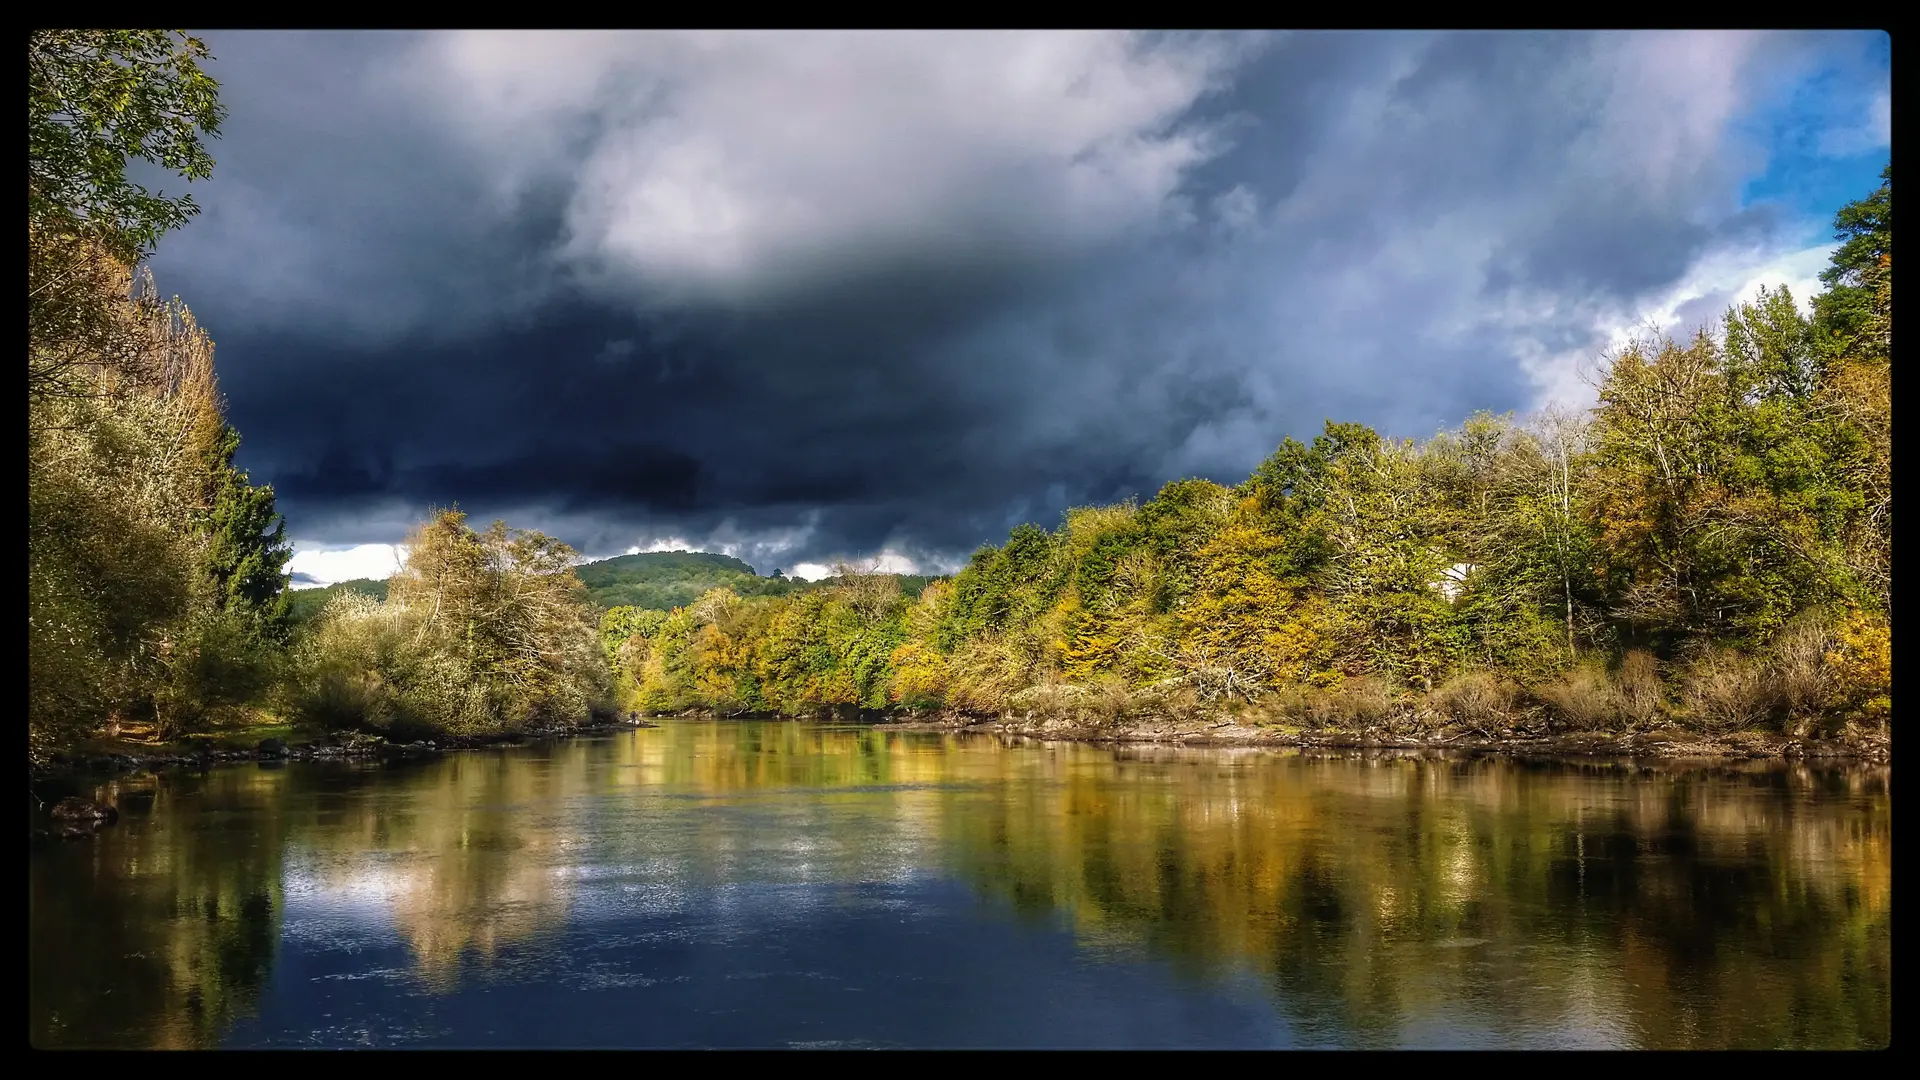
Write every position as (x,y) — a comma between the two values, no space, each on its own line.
(734,871)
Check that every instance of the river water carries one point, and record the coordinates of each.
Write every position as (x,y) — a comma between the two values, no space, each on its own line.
(745,884)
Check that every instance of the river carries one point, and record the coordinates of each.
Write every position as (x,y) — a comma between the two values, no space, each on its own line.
(749,884)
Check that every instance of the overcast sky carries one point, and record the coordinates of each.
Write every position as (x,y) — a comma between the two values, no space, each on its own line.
(809,296)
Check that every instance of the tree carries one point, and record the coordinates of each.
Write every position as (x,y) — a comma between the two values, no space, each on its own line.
(1853,331)
(248,549)
(1855,313)
(97,99)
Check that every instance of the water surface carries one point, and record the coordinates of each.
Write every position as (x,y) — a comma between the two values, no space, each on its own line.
(796,885)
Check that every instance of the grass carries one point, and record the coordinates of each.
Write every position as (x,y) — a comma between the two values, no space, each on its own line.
(139,738)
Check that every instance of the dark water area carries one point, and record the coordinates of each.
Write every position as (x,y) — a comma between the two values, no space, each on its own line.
(773,884)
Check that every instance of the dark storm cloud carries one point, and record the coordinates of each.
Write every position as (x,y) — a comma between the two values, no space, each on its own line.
(817,296)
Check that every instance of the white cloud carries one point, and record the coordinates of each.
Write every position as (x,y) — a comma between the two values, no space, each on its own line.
(1670,98)
(884,562)
(330,563)
(668,543)
(736,165)
(1717,281)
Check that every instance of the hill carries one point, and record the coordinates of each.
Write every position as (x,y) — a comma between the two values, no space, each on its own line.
(654,580)
(663,580)
(304,604)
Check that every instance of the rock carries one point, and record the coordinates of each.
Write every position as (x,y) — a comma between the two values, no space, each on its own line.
(272,747)
(80,810)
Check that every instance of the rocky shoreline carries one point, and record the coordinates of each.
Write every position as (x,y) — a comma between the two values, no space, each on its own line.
(1873,747)
(1667,743)
(335,747)
(1866,746)
(73,818)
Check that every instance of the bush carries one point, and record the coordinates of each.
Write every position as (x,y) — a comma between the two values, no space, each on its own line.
(1356,703)
(497,641)
(1725,691)
(217,663)
(354,668)
(1174,701)
(1102,703)
(1861,659)
(1639,695)
(1476,699)
(1292,704)
(1802,677)
(1583,699)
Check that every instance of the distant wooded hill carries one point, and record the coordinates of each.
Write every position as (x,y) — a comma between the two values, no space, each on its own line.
(304,604)
(664,580)
(655,580)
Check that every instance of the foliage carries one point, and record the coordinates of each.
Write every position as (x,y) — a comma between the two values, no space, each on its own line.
(97,98)
(1861,658)
(155,570)
(305,605)
(1725,491)
(1726,691)
(480,633)
(1724,514)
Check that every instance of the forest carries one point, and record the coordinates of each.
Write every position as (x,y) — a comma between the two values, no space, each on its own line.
(1709,547)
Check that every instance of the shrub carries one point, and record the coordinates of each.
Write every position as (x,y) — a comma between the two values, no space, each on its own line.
(1582,699)
(1360,702)
(1725,691)
(1173,701)
(1475,699)
(1861,659)
(1638,692)
(1291,704)
(481,633)
(217,663)
(1102,703)
(353,670)
(1802,676)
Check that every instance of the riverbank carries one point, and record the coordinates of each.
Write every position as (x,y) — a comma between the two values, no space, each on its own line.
(1671,742)
(1666,743)
(202,752)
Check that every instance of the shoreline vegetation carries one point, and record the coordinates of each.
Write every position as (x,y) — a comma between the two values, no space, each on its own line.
(1700,564)
(104,757)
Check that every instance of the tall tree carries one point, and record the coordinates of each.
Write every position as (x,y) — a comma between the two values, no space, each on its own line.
(96,100)
(247,551)
(1855,313)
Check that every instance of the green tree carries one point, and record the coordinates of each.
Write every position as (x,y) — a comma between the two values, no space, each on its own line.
(97,99)
(248,550)
(1855,312)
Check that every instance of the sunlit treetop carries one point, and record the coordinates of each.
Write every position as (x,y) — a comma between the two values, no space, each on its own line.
(97,99)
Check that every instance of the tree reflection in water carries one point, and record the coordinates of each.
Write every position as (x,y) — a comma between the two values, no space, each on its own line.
(1383,899)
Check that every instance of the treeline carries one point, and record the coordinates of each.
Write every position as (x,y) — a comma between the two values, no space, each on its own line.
(664,580)
(155,570)
(650,581)
(1710,545)
(305,605)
